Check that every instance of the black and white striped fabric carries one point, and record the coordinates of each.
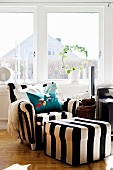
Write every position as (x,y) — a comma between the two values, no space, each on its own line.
(70,105)
(45,117)
(76,141)
(105,138)
(26,115)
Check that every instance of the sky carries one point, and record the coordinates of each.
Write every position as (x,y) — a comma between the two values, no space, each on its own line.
(14,28)
(72,28)
(76,28)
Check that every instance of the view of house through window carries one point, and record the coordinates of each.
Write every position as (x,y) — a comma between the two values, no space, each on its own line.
(16,39)
(81,29)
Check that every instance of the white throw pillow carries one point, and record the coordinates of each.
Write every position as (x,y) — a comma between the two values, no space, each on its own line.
(21,93)
(39,87)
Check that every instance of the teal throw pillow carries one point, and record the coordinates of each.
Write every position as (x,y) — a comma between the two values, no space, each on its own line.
(45,103)
(50,88)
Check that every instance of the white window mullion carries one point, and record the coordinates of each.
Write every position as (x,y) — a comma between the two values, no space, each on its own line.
(41,45)
(101,47)
(107,43)
(112,43)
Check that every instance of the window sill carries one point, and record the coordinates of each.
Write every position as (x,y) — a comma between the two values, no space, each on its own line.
(67,81)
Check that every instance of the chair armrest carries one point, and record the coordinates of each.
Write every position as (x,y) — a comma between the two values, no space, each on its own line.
(26,106)
(26,115)
(70,105)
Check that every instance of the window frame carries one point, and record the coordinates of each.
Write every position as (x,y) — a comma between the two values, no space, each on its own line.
(40,33)
(78,8)
(22,9)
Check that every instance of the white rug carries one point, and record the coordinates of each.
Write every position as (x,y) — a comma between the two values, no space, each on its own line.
(17,167)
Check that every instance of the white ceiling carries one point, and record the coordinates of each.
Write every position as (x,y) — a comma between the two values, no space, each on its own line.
(32,1)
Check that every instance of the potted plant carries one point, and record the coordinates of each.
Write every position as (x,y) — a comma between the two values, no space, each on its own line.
(73,71)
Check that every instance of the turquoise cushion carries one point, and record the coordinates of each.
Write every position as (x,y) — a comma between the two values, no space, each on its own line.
(50,88)
(45,103)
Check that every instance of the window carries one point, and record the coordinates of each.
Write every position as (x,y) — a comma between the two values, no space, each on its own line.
(80,28)
(16,39)
(53,26)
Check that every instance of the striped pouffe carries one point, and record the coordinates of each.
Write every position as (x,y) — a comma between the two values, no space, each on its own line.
(75,141)
(105,138)
(45,117)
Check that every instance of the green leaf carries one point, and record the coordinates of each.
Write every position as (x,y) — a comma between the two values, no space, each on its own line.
(74,68)
(68,71)
(64,55)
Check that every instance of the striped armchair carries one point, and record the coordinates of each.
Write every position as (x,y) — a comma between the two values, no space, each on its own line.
(29,126)
(21,122)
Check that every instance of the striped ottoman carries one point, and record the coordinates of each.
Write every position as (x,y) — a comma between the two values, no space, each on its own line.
(45,117)
(76,141)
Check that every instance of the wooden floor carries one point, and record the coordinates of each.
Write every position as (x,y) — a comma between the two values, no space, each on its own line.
(17,156)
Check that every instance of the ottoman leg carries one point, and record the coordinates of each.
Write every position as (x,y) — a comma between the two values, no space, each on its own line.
(33,146)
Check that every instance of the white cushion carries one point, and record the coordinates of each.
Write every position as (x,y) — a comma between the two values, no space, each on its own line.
(39,87)
(21,93)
